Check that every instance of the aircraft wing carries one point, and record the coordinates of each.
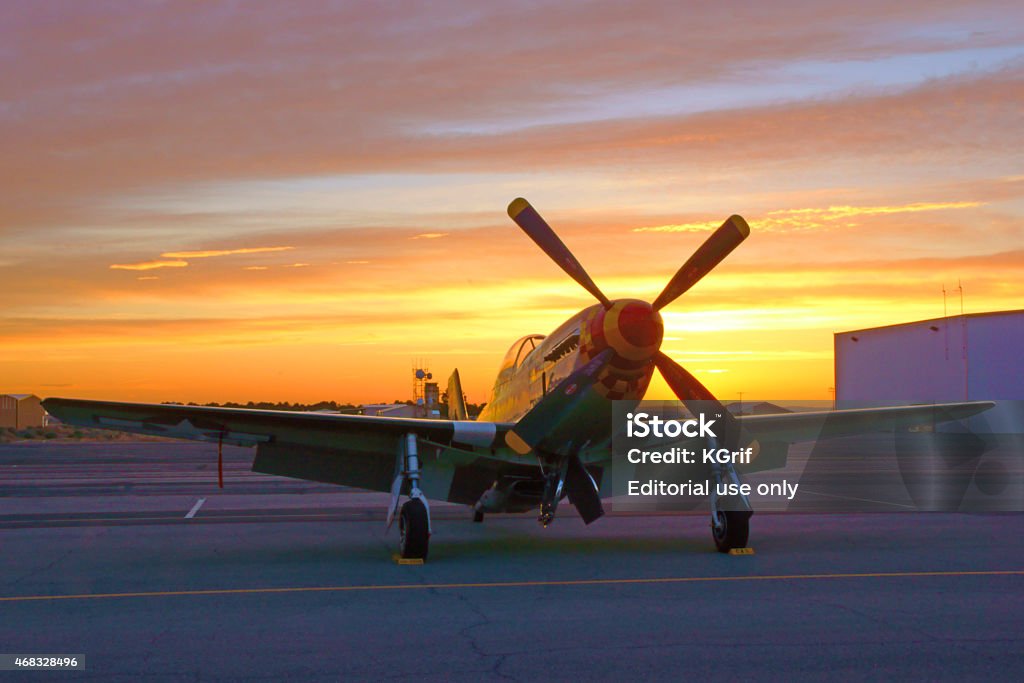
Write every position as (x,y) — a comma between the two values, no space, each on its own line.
(792,427)
(244,427)
(355,450)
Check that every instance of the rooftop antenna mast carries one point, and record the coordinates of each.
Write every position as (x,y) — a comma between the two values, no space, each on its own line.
(945,320)
(420,376)
(963,336)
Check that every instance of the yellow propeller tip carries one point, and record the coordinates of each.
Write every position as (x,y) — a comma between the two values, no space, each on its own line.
(517,444)
(740,224)
(517,206)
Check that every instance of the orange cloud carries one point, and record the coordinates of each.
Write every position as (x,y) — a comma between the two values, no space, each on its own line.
(429,236)
(813,218)
(222,252)
(148,265)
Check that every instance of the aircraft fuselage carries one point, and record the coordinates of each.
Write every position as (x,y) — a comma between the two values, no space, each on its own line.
(536,365)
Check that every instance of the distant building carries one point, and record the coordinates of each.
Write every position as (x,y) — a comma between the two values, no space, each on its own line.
(431,400)
(392,410)
(427,410)
(761,408)
(20,411)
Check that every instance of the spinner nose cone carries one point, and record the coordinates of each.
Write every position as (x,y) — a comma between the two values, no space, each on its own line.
(640,324)
(634,329)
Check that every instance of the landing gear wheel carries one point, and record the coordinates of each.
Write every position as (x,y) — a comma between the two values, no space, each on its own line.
(478,516)
(732,530)
(414,530)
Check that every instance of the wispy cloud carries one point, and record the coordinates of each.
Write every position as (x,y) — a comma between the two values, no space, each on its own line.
(222,252)
(148,265)
(429,236)
(179,257)
(782,220)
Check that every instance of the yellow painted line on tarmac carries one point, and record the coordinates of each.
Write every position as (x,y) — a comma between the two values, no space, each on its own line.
(510,584)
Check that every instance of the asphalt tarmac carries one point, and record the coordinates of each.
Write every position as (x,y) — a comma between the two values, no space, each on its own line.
(273,579)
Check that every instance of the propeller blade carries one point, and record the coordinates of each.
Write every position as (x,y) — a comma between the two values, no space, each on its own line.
(696,397)
(715,248)
(583,491)
(527,218)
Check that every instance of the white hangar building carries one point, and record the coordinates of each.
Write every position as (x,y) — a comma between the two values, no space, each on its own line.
(977,357)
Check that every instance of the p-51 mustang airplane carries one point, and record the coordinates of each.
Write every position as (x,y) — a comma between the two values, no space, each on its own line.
(545,433)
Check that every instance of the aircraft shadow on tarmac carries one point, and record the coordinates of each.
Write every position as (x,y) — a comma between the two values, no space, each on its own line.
(500,540)
(523,545)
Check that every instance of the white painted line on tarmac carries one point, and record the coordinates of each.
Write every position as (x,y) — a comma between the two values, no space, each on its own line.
(195,508)
(863,500)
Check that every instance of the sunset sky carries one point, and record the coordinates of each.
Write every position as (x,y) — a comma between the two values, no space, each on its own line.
(293,201)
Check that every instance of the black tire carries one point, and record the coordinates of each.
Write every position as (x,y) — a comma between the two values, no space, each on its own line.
(734,530)
(414,530)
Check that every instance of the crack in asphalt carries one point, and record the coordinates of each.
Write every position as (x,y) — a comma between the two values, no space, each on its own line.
(466,632)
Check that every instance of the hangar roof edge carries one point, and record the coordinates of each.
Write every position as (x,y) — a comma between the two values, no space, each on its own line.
(1018,311)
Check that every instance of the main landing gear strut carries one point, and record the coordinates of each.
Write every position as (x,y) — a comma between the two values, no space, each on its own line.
(569,477)
(414,518)
(554,481)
